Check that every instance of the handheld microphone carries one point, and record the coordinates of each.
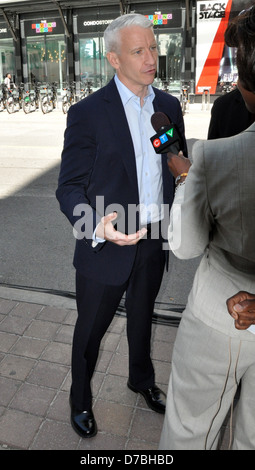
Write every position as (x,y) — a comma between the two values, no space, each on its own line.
(167,138)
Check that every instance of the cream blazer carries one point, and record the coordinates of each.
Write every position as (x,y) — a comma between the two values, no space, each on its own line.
(213,215)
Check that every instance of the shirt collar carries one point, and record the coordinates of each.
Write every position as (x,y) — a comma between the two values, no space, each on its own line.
(127,94)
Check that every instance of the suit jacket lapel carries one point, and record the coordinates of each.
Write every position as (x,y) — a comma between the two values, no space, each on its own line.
(121,132)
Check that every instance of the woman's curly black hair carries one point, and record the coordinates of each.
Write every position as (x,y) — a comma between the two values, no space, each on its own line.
(240,33)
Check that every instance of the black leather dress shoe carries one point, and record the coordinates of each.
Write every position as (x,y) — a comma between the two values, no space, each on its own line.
(83,421)
(154,397)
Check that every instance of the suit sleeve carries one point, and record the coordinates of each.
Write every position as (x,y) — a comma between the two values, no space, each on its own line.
(77,163)
(191,219)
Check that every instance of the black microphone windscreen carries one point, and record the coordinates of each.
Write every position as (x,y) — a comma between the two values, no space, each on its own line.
(159,120)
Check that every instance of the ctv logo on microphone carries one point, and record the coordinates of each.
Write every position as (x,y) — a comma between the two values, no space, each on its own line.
(160,141)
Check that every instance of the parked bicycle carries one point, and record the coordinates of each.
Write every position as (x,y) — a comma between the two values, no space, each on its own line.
(184,97)
(82,93)
(46,94)
(165,87)
(31,98)
(69,97)
(88,88)
(14,99)
(85,89)
(3,96)
(54,93)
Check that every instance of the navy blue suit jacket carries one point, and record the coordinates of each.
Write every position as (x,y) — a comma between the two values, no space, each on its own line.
(98,170)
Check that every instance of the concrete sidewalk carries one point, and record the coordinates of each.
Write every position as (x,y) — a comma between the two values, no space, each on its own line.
(35,347)
(35,337)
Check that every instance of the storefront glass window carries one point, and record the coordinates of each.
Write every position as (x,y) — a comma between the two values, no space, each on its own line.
(93,64)
(7,58)
(47,59)
(170,53)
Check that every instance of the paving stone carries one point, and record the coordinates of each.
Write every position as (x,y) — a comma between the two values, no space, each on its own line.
(8,389)
(115,389)
(18,428)
(58,352)
(123,346)
(54,435)
(162,350)
(104,360)
(7,340)
(141,445)
(33,399)
(162,372)
(70,318)
(60,408)
(15,325)
(113,416)
(26,309)
(65,334)
(29,347)
(53,314)
(103,441)
(161,333)
(16,367)
(110,342)
(48,375)
(119,365)
(6,305)
(42,329)
(118,325)
(146,425)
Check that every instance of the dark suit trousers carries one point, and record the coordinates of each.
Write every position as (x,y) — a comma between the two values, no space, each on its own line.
(97,304)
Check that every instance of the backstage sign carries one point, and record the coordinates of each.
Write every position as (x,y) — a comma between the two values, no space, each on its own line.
(211,10)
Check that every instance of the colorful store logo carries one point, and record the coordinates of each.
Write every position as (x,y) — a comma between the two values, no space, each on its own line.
(44,27)
(160,19)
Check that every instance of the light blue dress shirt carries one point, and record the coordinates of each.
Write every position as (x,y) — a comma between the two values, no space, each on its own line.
(148,163)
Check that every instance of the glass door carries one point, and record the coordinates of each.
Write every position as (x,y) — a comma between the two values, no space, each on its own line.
(56,59)
(7,59)
(46,59)
(93,64)
(37,70)
(170,56)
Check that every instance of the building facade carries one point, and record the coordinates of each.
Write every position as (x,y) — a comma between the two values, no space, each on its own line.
(62,41)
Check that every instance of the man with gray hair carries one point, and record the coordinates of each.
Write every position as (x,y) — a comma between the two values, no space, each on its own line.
(108,155)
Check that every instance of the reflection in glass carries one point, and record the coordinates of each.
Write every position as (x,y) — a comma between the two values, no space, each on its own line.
(170,52)
(46,59)
(94,65)
(7,60)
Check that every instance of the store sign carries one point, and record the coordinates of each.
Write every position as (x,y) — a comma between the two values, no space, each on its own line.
(172,20)
(96,22)
(158,19)
(212,21)
(44,27)
(211,10)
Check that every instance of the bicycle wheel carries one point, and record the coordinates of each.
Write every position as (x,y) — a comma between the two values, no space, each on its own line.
(65,106)
(26,107)
(50,105)
(44,105)
(10,105)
